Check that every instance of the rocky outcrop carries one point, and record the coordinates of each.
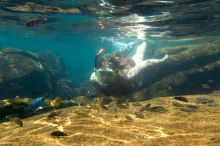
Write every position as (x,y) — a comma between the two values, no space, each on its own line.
(29,74)
(34,7)
(188,70)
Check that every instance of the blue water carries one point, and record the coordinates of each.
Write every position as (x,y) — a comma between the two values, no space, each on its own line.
(77,37)
(77,51)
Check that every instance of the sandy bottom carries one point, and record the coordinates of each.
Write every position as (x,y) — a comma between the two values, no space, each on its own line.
(96,126)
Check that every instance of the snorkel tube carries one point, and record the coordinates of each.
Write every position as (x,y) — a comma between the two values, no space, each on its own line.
(101,51)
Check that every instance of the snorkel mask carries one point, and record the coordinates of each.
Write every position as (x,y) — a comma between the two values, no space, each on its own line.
(105,75)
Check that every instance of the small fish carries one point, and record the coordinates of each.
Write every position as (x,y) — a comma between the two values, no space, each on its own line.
(16,120)
(35,21)
(36,103)
(184,99)
(55,102)
(54,114)
(58,133)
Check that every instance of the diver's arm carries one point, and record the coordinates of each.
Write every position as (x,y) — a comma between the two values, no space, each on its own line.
(142,65)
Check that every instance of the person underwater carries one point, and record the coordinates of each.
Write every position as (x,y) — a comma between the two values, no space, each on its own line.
(104,73)
(118,75)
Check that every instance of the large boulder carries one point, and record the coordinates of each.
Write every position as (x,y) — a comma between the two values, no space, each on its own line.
(28,74)
(189,70)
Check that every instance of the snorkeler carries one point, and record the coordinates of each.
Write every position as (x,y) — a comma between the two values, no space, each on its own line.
(118,75)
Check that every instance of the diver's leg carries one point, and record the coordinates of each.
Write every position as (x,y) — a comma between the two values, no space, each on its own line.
(142,65)
(139,55)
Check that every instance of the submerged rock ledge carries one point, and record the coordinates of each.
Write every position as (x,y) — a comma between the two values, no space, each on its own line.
(190,69)
(28,74)
(182,123)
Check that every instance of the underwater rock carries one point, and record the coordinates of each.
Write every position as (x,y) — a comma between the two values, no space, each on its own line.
(139,115)
(184,106)
(150,108)
(86,89)
(159,109)
(204,100)
(178,103)
(147,106)
(14,107)
(185,69)
(34,7)
(26,73)
(16,120)
(128,118)
(189,108)
(67,103)
(53,114)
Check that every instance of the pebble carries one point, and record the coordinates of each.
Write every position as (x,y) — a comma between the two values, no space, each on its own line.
(189,108)
(129,118)
(139,115)
(178,103)
(203,100)
(136,104)
(53,114)
(159,109)
(146,107)
(150,108)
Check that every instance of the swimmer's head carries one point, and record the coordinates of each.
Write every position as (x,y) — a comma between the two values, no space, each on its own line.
(116,62)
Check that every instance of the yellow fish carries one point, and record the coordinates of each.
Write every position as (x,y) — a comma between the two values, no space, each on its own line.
(6,102)
(55,102)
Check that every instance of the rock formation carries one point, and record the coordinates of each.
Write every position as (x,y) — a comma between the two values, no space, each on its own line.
(188,70)
(32,74)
